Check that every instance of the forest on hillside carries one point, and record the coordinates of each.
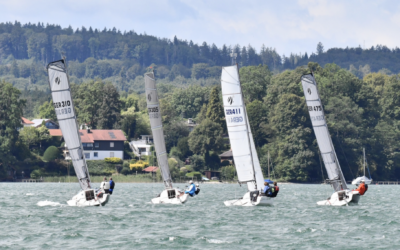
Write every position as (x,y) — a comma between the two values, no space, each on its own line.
(123,57)
(360,113)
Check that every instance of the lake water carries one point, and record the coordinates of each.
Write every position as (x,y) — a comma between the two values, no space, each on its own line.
(36,216)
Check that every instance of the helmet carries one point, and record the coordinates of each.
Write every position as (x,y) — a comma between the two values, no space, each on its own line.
(362,180)
(190,181)
(197,185)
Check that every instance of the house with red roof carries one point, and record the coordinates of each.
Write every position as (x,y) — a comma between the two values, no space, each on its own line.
(98,143)
(26,123)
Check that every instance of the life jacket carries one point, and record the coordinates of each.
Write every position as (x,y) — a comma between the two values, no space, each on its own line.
(197,191)
(361,189)
(112,184)
(366,188)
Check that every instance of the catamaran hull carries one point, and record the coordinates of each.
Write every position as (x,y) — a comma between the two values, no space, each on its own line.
(245,201)
(341,198)
(170,196)
(80,200)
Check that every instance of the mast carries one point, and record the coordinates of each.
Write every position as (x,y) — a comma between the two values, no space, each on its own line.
(364,159)
(268,166)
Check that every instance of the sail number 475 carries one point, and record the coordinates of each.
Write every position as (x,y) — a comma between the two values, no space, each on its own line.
(315,108)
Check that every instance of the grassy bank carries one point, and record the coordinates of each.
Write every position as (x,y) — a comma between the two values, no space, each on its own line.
(117,178)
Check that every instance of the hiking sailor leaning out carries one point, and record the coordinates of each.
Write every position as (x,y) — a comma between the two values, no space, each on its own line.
(362,188)
(105,185)
(267,189)
(191,189)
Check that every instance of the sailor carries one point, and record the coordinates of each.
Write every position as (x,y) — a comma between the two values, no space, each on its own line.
(267,189)
(105,185)
(362,188)
(112,185)
(276,189)
(191,189)
(197,189)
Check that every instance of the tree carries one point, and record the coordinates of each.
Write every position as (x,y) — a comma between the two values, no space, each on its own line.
(214,111)
(43,134)
(255,80)
(197,162)
(11,111)
(205,137)
(200,70)
(320,48)
(173,132)
(47,111)
(258,116)
(109,113)
(29,135)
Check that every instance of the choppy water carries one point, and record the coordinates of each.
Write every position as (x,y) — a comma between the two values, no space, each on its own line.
(35,216)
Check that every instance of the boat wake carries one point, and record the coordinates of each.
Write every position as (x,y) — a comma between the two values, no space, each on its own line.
(49,203)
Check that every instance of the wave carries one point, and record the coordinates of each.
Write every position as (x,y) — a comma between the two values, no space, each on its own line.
(48,203)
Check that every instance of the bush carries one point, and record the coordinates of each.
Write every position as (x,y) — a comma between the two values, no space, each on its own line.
(35,174)
(175,152)
(225,163)
(138,166)
(99,167)
(51,153)
(113,160)
(195,175)
(125,171)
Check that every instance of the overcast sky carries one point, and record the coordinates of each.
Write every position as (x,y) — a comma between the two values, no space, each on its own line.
(289,26)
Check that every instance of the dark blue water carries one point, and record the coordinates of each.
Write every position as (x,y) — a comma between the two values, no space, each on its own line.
(36,216)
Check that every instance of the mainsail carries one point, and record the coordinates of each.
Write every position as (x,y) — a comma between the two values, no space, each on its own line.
(324,140)
(153,107)
(243,149)
(62,101)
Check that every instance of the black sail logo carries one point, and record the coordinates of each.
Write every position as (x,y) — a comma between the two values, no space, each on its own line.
(230,100)
(309,91)
(149,97)
(58,80)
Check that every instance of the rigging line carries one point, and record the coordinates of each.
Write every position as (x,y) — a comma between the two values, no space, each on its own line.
(366,162)
(346,158)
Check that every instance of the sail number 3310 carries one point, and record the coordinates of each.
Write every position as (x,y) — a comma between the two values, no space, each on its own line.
(62,104)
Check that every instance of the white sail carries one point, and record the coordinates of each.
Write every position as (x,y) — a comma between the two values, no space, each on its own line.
(320,127)
(64,107)
(244,153)
(153,108)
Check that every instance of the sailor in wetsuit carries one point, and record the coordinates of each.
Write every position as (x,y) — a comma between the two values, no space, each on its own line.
(197,189)
(191,189)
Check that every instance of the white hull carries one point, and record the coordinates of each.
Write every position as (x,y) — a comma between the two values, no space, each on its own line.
(245,201)
(82,200)
(170,196)
(358,180)
(341,198)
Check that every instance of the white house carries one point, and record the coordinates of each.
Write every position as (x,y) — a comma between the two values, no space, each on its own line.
(142,146)
(48,123)
(98,144)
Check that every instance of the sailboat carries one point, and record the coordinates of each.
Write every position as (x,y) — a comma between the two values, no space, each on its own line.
(169,195)
(364,178)
(342,195)
(64,107)
(241,139)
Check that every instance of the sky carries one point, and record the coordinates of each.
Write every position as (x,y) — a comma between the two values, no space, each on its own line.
(290,26)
